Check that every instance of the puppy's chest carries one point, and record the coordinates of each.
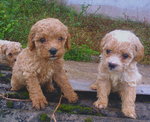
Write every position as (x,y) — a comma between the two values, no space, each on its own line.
(44,73)
(115,79)
(125,77)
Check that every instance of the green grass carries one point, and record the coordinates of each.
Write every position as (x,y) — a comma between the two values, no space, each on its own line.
(17,17)
(44,118)
(74,109)
(19,95)
(9,104)
(77,109)
(88,119)
(1,75)
(80,53)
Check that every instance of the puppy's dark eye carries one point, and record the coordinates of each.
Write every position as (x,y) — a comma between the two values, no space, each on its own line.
(108,51)
(125,56)
(10,54)
(61,38)
(42,40)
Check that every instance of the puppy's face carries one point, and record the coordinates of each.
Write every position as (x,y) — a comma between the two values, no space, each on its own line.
(120,49)
(118,56)
(49,38)
(12,52)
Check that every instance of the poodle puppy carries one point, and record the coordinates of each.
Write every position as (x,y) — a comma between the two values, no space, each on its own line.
(42,62)
(9,51)
(117,71)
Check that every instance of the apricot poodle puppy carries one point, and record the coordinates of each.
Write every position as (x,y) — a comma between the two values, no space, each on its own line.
(9,51)
(42,62)
(117,71)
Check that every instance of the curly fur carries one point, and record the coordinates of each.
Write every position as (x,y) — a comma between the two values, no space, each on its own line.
(36,66)
(9,51)
(117,71)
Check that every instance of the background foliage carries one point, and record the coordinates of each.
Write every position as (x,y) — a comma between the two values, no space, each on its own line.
(17,17)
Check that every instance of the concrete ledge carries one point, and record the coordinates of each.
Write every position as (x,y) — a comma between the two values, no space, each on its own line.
(82,75)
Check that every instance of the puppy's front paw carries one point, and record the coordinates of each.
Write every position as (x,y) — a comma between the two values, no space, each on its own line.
(72,98)
(99,104)
(14,89)
(39,102)
(93,86)
(129,112)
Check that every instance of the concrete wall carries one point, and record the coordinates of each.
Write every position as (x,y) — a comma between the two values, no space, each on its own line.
(138,10)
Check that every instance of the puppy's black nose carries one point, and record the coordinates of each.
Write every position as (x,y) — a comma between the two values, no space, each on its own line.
(53,51)
(112,66)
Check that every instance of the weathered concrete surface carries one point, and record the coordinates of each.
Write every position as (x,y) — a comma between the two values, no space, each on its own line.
(82,75)
(33,116)
(23,111)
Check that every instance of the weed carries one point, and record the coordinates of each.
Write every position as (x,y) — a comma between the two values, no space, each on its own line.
(10,104)
(88,119)
(19,95)
(24,94)
(44,118)
(79,53)
(75,109)
(1,75)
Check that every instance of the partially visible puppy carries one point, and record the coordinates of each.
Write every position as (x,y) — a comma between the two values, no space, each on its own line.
(42,62)
(9,51)
(117,71)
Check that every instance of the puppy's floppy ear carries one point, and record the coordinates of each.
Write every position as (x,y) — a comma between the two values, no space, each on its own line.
(4,48)
(104,41)
(67,44)
(31,43)
(139,51)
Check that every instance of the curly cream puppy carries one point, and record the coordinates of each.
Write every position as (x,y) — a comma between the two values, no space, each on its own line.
(42,61)
(9,51)
(117,71)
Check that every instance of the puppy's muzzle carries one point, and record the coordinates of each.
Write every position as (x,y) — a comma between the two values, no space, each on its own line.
(53,51)
(112,66)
